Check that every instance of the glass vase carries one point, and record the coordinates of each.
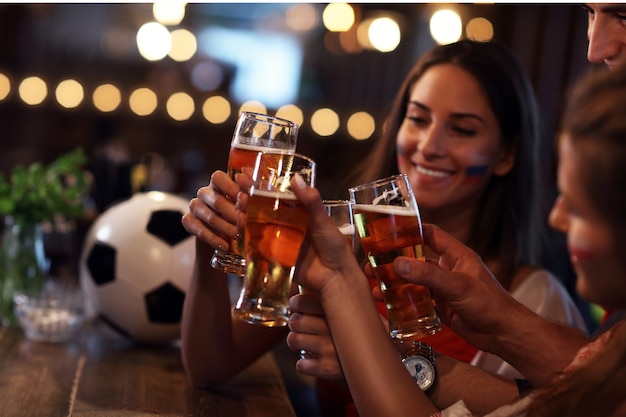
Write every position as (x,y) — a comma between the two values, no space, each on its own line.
(23,261)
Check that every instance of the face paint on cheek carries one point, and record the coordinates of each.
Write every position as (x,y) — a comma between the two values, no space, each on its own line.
(581,250)
(400,151)
(474,174)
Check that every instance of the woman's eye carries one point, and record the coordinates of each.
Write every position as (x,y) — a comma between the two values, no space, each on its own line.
(464,131)
(417,119)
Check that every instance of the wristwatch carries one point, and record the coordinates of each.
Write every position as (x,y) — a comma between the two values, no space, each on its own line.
(419,360)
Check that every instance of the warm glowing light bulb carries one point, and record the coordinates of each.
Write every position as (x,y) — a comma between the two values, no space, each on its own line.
(69,94)
(253,106)
(479,29)
(33,90)
(5,86)
(184,45)
(143,101)
(301,17)
(216,109)
(325,122)
(153,41)
(291,112)
(361,125)
(445,26)
(338,17)
(180,106)
(384,34)
(106,97)
(169,12)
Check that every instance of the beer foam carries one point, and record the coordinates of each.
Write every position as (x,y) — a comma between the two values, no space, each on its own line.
(395,210)
(257,148)
(346,229)
(286,195)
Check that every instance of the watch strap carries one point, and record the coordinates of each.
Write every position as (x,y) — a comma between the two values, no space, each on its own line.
(422,349)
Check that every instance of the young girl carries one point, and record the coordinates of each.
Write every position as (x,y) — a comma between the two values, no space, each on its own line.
(591,210)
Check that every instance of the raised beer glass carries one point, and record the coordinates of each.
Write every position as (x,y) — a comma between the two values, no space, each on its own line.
(388,224)
(254,133)
(275,226)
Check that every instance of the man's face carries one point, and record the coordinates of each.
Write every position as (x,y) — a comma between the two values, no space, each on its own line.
(606,32)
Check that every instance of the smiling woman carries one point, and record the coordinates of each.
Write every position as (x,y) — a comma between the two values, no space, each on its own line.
(468,145)
(470,150)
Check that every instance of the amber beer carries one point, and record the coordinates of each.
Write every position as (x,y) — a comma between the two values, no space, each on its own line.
(240,157)
(388,223)
(254,133)
(275,226)
(243,156)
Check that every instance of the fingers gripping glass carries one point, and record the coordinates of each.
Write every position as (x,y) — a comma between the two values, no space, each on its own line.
(275,226)
(388,224)
(254,133)
(340,212)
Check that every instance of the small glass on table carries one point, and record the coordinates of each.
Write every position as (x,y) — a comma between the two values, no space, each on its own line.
(53,314)
(275,226)
(388,224)
(254,133)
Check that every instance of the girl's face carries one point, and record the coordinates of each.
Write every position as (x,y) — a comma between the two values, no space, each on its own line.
(449,141)
(594,252)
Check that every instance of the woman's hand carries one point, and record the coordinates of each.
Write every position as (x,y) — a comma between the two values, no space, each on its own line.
(325,253)
(469,298)
(211,215)
(310,332)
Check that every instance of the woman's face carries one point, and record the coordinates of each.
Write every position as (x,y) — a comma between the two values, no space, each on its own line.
(449,141)
(594,252)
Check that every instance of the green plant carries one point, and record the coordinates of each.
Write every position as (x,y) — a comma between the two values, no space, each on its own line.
(41,192)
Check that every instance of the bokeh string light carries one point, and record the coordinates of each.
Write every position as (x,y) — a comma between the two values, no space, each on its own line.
(380,30)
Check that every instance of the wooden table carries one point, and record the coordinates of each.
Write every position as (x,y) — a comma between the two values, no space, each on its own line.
(103,374)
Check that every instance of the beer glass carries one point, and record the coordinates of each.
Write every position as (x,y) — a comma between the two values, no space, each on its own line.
(254,133)
(340,212)
(275,226)
(388,224)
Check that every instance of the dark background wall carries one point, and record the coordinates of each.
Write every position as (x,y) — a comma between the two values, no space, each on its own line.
(62,40)
(39,39)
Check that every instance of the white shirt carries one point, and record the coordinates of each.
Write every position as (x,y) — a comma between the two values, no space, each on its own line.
(543,293)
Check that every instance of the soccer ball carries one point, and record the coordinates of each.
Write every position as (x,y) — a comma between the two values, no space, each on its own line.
(136,264)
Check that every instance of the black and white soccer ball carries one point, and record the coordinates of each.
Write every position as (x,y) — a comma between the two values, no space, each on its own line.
(136,264)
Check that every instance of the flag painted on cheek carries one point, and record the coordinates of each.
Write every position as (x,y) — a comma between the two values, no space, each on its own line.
(474,174)
(580,249)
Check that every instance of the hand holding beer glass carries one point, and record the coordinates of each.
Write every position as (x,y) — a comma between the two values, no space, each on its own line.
(388,223)
(275,226)
(340,212)
(254,133)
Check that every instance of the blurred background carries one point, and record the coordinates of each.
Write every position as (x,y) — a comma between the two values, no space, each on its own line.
(152,92)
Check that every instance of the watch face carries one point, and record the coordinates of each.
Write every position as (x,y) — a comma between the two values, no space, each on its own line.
(421,370)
